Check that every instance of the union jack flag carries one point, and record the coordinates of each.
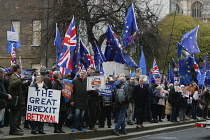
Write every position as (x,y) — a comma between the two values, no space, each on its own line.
(69,44)
(155,69)
(196,66)
(13,55)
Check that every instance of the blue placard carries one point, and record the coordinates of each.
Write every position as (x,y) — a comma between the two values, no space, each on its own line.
(27,74)
(107,91)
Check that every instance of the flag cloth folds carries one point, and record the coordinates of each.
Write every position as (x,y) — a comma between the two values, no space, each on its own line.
(129,61)
(170,75)
(155,70)
(205,62)
(13,44)
(113,51)
(69,45)
(99,59)
(76,60)
(58,43)
(85,57)
(189,41)
(130,27)
(201,79)
(185,69)
(196,66)
(142,64)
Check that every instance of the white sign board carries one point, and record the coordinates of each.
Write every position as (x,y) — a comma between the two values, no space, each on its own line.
(94,82)
(43,105)
(12,36)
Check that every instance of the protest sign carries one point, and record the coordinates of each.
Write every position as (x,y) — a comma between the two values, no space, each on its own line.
(107,101)
(94,82)
(43,105)
(67,90)
(27,74)
(107,91)
(177,89)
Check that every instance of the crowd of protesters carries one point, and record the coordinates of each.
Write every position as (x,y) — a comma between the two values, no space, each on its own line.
(134,101)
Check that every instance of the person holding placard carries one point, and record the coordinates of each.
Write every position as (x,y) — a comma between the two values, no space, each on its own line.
(62,113)
(175,100)
(195,98)
(79,100)
(34,124)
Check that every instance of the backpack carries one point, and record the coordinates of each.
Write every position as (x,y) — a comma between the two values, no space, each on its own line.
(121,94)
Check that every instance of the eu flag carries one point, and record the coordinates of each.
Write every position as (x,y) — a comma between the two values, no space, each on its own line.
(12,44)
(113,51)
(205,62)
(189,41)
(76,60)
(185,69)
(57,42)
(99,59)
(85,57)
(170,75)
(129,61)
(201,79)
(130,27)
(142,63)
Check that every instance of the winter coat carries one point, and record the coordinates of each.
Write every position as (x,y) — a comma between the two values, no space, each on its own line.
(15,89)
(126,103)
(130,89)
(174,97)
(80,96)
(141,95)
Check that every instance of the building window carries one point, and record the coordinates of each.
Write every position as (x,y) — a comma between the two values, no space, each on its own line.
(196,9)
(36,37)
(16,26)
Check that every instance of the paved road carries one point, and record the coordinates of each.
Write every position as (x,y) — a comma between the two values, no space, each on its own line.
(187,134)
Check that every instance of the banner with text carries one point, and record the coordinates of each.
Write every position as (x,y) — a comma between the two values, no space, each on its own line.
(43,105)
(67,90)
(107,91)
(94,82)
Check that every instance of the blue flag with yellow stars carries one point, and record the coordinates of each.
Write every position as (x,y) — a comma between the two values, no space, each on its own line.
(185,69)
(205,62)
(129,61)
(189,41)
(142,63)
(130,27)
(201,79)
(170,75)
(113,51)
(99,59)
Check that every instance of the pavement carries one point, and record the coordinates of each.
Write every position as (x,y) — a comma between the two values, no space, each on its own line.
(102,133)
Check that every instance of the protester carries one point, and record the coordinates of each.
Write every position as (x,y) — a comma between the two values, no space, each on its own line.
(195,98)
(35,124)
(15,89)
(3,95)
(161,102)
(47,81)
(183,104)
(155,98)
(174,100)
(93,103)
(205,102)
(62,113)
(79,100)
(141,96)
(168,108)
(130,113)
(121,101)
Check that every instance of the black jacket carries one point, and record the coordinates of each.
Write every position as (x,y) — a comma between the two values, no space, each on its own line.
(174,97)
(141,95)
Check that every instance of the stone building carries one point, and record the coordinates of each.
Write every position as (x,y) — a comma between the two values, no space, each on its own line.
(29,19)
(196,8)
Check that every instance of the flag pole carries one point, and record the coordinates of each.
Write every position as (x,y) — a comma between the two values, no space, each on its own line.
(169,44)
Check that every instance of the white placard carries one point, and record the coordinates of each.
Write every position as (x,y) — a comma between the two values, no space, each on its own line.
(43,105)
(12,36)
(94,82)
